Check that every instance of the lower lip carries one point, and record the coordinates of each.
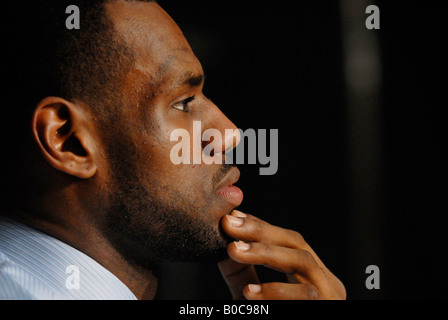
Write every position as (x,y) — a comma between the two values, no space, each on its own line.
(231,194)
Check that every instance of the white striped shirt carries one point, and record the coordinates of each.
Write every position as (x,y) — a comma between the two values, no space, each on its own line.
(34,265)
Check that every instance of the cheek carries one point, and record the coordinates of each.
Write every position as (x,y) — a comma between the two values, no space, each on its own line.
(192,180)
(155,163)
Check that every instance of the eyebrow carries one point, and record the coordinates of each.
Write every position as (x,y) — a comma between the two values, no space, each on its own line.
(191,79)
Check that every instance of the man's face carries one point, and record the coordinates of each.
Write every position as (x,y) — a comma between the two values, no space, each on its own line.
(157,208)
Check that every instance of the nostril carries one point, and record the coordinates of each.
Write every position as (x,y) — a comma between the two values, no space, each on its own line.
(209,141)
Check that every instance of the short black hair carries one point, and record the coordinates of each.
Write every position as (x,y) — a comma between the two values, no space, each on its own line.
(41,57)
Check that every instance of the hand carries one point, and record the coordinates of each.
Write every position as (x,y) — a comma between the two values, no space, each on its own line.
(261,243)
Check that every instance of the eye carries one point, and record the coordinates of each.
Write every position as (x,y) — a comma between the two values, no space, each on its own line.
(183,105)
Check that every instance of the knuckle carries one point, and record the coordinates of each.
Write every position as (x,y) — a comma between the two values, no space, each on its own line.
(307,257)
(297,237)
(311,292)
(305,261)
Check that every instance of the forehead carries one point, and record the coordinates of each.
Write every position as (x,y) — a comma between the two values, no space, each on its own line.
(159,46)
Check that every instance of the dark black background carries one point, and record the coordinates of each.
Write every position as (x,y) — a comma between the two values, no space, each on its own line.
(279,65)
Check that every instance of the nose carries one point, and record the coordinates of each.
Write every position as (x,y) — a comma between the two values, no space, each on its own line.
(220,126)
(232,137)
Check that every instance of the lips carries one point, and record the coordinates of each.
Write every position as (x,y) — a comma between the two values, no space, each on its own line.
(230,193)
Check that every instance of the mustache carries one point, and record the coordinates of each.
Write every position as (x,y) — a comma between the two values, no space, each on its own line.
(220,174)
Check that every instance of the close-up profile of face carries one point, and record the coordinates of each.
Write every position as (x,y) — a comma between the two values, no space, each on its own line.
(168,210)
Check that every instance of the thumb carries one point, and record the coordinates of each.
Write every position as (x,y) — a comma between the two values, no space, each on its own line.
(237,276)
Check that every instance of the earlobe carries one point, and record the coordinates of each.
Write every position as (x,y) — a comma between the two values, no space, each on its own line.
(60,129)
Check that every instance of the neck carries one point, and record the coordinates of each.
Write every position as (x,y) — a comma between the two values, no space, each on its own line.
(85,238)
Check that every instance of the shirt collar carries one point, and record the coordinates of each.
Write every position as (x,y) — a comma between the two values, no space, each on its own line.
(67,271)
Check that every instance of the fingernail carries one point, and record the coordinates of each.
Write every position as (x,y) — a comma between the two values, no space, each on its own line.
(242,246)
(234,221)
(239,214)
(254,288)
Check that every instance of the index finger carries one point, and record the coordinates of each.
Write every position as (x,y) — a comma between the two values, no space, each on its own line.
(246,227)
(249,228)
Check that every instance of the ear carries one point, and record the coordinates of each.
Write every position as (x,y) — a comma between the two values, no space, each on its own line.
(61,130)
